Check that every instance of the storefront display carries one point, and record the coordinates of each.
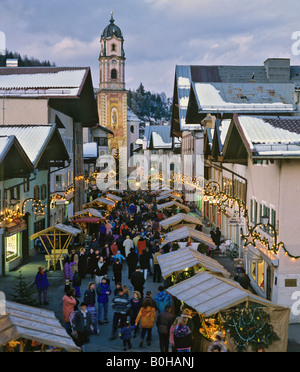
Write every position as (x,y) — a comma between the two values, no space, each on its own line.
(11,247)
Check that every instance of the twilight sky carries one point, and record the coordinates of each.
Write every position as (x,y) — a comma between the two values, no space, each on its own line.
(159,34)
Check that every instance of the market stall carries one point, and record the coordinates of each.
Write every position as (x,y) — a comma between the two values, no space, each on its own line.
(173,207)
(180,220)
(245,319)
(189,234)
(27,328)
(115,198)
(56,240)
(169,197)
(88,212)
(101,203)
(186,262)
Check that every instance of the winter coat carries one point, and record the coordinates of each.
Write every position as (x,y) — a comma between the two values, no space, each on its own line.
(68,272)
(141,245)
(147,317)
(145,260)
(132,259)
(135,307)
(101,292)
(121,304)
(68,307)
(89,297)
(79,322)
(41,281)
(126,332)
(162,299)
(182,337)
(164,321)
(100,269)
(137,280)
(76,280)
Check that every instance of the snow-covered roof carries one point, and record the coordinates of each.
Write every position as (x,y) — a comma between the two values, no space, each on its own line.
(251,97)
(31,138)
(42,82)
(266,137)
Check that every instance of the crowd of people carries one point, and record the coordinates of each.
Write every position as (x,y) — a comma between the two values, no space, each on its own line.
(127,243)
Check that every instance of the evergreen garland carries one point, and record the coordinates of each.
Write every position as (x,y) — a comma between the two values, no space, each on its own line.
(250,326)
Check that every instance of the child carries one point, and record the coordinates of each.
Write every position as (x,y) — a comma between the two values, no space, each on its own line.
(67,285)
(126,335)
(77,283)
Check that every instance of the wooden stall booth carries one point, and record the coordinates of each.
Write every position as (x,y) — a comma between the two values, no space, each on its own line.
(245,320)
(180,220)
(56,240)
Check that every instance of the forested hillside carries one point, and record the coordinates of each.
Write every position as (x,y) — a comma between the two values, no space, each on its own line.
(23,61)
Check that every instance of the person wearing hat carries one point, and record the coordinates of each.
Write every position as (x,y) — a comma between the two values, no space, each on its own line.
(83,324)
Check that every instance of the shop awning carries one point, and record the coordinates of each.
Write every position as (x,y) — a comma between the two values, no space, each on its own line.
(209,294)
(186,232)
(16,226)
(174,204)
(184,258)
(179,218)
(31,323)
(60,228)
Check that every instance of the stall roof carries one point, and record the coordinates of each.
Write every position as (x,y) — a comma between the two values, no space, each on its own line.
(22,321)
(185,232)
(177,218)
(88,211)
(169,195)
(209,294)
(184,258)
(113,197)
(102,201)
(60,227)
(173,203)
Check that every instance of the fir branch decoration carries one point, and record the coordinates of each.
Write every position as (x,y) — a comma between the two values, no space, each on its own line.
(250,326)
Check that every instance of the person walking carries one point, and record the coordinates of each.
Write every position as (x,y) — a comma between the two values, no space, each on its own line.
(90,301)
(138,281)
(103,291)
(74,258)
(69,303)
(145,262)
(126,335)
(42,285)
(100,270)
(156,267)
(91,260)
(162,299)
(132,261)
(77,283)
(117,270)
(135,305)
(146,317)
(171,333)
(164,322)
(82,325)
(82,263)
(127,244)
(182,336)
(67,267)
(121,307)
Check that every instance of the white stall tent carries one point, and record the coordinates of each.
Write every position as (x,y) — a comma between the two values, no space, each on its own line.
(187,232)
(180,218)
(31,323)
(174,203)
(184,258)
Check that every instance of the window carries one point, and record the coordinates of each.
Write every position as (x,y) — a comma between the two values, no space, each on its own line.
(43,192)
(113,47)
(37,193)
(26,185)
(101,141)
(113,73)
(132,128)
(58,182)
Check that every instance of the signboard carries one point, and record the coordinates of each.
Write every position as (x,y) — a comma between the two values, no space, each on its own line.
(235,221)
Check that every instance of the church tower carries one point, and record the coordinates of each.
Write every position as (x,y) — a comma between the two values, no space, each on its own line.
(112,96)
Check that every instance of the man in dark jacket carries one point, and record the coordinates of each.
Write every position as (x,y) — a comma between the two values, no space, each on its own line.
(242,278)
(82,324)
(138,281)
(121,306)
(132,260)
(164,321)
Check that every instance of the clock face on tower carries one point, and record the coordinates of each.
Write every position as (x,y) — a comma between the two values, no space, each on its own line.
(114,62)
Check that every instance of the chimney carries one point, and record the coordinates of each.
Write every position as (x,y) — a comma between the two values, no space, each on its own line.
(278,70)
(12,63)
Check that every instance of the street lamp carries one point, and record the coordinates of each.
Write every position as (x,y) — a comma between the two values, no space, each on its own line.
(265,220)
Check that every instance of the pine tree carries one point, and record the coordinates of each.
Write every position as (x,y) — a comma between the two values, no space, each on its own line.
(23,293)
